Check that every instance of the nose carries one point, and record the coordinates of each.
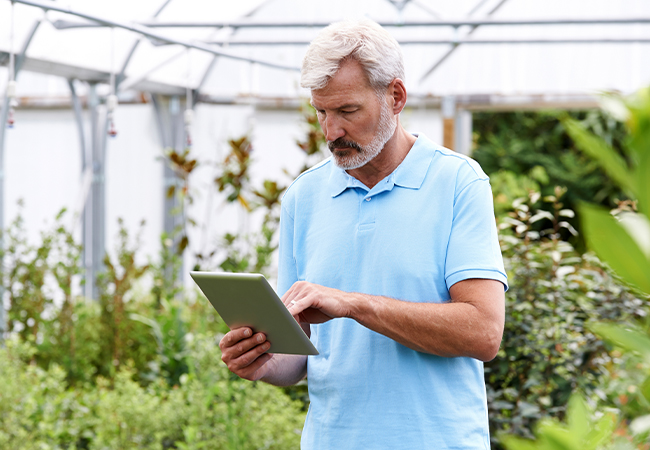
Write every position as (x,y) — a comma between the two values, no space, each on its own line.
(332,128)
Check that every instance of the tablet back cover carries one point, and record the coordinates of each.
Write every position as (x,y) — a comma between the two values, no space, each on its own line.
(247,299)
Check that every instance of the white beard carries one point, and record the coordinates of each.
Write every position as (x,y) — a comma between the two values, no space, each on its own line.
(359,155)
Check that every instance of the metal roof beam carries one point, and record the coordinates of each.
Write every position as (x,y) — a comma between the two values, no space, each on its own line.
(453,48)
(151,34)
(66,24)
(456,41)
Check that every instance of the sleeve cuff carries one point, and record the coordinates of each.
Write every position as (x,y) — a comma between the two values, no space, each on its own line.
(477,273)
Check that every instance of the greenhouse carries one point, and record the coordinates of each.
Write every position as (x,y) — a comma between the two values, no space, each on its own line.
(142,140)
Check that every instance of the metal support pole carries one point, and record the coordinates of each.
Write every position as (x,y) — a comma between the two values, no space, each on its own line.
(171,129)
(449,122)
(463,132)
(94,212)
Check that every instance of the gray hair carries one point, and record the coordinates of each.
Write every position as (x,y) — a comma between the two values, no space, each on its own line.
(364,41)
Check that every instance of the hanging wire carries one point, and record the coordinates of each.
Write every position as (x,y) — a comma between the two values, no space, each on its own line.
(111,101)
(11,84)
(189,112)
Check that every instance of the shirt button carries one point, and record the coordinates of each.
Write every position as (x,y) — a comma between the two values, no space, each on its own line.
(368,199)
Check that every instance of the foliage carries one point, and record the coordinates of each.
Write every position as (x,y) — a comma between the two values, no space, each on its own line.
(114,285)
(25,271)
(623,245)
(182,164)
(314,141)
(235,174)
(536,150)
(208,409)
(547,350)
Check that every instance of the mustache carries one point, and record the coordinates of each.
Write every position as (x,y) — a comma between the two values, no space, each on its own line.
(342,143)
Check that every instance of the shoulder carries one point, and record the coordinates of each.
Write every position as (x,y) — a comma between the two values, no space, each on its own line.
(450,158)
(313,178)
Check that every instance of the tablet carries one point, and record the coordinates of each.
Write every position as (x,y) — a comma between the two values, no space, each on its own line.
(247,299)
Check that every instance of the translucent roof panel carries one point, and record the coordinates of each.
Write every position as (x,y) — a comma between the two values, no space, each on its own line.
(440,60)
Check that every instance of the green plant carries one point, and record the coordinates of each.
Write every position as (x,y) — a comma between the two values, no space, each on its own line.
(314,141)
(621,243)
(536,151)
(548,350)
(26,268)
(114,285)
(235,176)
(209,408)
(183,164)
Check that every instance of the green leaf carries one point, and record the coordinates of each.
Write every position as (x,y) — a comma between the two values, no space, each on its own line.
(611,162)
(615,246)
(632,340)
(601,431)
(558,437)
(643,182)
(645,388)
(511,442)
(577,417)
(639,122)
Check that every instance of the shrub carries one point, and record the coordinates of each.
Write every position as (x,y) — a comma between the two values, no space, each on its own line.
(209,409)
(547,350)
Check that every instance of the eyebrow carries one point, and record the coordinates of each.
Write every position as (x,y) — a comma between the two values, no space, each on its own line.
(345,106)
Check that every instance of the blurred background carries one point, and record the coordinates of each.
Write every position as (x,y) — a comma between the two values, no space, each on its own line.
(141,140)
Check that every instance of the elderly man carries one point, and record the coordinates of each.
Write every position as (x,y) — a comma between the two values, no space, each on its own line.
(389,258)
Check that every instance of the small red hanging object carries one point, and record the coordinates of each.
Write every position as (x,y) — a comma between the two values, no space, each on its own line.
(11,96)
(111,104)
(10,118)
(112,132)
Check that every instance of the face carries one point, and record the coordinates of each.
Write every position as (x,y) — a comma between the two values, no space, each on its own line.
(357,123)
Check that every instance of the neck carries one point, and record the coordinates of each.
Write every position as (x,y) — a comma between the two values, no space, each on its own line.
(387,161)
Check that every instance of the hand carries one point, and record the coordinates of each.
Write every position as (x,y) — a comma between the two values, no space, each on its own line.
(313,303)
(244,353)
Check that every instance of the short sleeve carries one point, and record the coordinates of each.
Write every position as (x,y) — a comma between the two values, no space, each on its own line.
(473,250)
(287,272)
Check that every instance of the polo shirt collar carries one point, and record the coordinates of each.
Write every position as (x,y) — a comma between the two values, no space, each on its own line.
(409,174)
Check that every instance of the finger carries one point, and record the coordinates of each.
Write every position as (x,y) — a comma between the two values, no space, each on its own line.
(295,292)
(289,296)
(242,347)
(234,336)
(295,307)
(248,358)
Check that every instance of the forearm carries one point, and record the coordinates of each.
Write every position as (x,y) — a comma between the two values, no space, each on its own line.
(470,325)
(285,370)
(443,329)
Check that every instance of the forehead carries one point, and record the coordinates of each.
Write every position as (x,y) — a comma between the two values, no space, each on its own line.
(349,85)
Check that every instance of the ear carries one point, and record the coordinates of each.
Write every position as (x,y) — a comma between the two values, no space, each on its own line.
(397,91)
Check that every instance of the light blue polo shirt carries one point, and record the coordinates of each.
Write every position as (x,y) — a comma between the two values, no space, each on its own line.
(426,226)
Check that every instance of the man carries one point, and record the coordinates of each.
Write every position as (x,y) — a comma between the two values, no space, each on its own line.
(389,257)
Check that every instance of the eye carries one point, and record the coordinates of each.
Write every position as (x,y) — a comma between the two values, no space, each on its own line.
(348,111)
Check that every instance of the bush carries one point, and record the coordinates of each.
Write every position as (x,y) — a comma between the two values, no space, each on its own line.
(547,350)
(524,150)
(209,409)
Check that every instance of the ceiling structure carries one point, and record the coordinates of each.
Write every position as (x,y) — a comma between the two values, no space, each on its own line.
(480,50)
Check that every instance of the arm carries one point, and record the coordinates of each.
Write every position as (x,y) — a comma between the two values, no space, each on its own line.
(470,325)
